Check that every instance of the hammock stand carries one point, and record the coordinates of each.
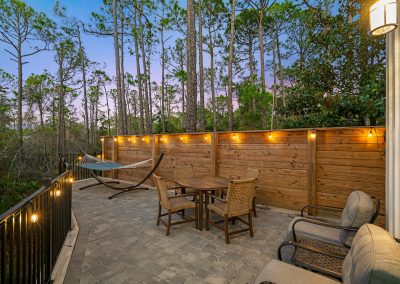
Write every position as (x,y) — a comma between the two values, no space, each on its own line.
(94,164)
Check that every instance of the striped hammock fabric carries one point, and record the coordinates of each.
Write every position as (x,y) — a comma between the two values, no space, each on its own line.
(93,163)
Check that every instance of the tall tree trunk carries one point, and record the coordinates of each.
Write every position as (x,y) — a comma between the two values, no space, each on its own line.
(146,91)
(123,86)
(139,77)
(150,95)
(19,112)
(191,101)
(212,75)
(162,79)
(282,84)
(122,118)
(262,62)
(108,110)
(202,120)
(251,67)
(230,67)
(85,99)
(275,82)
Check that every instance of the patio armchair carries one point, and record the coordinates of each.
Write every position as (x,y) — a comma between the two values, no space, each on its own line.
(360,209)
(183,172)
(374,257)
(238,203)
(251,173)
(173,204)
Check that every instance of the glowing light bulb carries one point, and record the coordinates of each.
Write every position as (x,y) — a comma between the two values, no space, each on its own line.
(79,158)
(129,139)
(270,135)
(313,135)
(34,218)
(206,137)
(102,139)
(71,180)
(161,139)
(115,139)
(99,156)
(181,138)
(58,192)
(370,134)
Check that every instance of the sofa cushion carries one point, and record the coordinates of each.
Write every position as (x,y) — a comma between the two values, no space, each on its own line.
(283,273)
(374,257)
(358,211)
(313,231)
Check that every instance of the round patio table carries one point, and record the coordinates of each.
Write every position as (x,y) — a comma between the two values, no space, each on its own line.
(202,184)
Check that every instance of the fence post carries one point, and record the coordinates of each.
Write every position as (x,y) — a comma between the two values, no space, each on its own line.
(155,149)
(312,168)
(214,152)
(115,156)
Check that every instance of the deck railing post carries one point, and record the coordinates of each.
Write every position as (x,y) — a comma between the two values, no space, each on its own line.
(214,153)
(312,168)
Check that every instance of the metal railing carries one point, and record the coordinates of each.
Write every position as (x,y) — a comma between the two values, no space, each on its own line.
(77,172)
(32,232)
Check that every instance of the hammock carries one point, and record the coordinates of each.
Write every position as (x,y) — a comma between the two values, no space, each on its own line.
(93,163)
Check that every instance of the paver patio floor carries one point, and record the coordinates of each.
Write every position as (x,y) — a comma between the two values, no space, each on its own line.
(119,242)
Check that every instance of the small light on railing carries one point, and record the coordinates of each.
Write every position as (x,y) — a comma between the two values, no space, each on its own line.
(181,137)
(58,193)
(34,218)
(313,135)
(161,139)
(370,134)
(143,139)
(234,136)
(115,139)
(80,158)
(102,139)
(270,135)
(206,137)
(71,180)
(99,156)
(129,139)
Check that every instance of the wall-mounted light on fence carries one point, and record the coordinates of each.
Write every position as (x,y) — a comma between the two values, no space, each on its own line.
(115,139)
(71,179)
(129,139)
(99,156)
(270,135)
(57,193)
(34,217)
(102,139)
(234,136)
(313,135)
(206,137)
(80,158)
(181,138)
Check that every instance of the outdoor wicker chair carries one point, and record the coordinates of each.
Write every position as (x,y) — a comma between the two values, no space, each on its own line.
(183,172)
(331,237)
(238,202)
(251,173)
(173,204)
(374,258)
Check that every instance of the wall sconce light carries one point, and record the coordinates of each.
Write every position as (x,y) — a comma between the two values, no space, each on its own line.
(206,137)
(313,135)
(58,193)
(270,135)
(371,133)
(102,139)
(383,17)
(129,139)
(80,158)
(99,156)
(143,139)
(115,139)
(71,179)
(181,137)
(234,136)
(34,217)
(161,139)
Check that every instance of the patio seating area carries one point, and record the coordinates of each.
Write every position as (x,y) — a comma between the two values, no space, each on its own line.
(119,242)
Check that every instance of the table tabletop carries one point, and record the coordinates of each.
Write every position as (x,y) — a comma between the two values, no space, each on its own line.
(205,183)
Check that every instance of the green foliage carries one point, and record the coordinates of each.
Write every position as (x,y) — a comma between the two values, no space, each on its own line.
(13,191)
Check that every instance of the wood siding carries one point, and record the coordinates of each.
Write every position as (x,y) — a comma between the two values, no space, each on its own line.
(297,168)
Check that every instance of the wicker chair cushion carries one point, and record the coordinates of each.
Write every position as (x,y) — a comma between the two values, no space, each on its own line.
(179,203)
(283,273)
(358,211)
(373,258)
(313,231)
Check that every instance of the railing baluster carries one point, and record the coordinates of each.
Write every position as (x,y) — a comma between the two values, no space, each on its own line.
(18,253)
(11,251)
(3,265)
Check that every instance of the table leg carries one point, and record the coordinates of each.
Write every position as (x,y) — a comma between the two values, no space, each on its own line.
(200,210)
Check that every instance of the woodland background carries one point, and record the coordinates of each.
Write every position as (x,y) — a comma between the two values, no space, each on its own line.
(206,65)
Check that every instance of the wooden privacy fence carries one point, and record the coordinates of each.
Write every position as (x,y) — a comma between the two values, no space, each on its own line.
(298,167)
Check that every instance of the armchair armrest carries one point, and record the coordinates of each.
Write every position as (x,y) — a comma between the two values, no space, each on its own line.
(320,223)
(215,197)
(397,240)
(327,208)
(185,194)
(306,247)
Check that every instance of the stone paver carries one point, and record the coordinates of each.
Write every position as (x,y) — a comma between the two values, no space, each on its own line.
(119,242)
